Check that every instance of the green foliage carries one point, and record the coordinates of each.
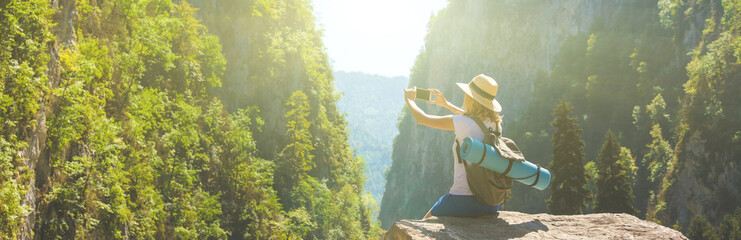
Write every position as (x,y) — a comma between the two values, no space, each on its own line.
(138,142)
(656,163)
(629,72)
(286,55)
(628,162)
(625,73)
(26,32)
(298,133)
(569,185)
(700,228)
(139,146)
(590,170)
(615,167)
(708,118)
(295,160)
(11,191)
(669,10)
(315,211)
(730,228)
(658,156)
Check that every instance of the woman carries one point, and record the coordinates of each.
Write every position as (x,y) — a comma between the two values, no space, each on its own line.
(479,103)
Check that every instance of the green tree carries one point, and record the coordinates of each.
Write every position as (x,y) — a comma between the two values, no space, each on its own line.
(125,137)
(138,143)
(295,160)
(657,152)
(709,116)
(590,169)
(614,178)
(700,228)
(730,228)
(26,33)
(657,158)
(570,193)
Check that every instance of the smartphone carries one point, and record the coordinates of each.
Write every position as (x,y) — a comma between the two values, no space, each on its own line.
(423,94)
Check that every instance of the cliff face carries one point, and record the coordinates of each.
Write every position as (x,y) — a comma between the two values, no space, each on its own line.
(272,49)
(113,124)
(514,225)
(704,176)
(508,40)
(35,156)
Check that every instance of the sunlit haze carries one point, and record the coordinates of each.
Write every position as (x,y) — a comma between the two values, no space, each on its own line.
(375,36)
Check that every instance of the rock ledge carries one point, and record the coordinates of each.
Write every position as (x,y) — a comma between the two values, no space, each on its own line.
(515,225)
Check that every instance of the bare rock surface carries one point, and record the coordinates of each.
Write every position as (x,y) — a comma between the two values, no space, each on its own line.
(515,225)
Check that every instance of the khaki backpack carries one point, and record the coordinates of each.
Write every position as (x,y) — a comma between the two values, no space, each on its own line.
(489,187)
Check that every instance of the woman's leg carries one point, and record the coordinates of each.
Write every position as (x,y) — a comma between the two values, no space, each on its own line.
(468,206)
(460,206)
(438,205)
(428,215)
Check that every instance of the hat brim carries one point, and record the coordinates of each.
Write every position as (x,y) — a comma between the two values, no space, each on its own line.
(491,105)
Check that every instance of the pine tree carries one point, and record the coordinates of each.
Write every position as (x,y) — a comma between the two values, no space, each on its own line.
(614,178)
(570,193)
(295,160)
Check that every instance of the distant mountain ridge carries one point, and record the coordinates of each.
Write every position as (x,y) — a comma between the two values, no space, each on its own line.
(372,104)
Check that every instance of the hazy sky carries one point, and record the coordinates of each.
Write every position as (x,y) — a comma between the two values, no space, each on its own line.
(375,36)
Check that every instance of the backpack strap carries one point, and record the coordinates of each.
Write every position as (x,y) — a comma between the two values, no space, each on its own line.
(537,177)
(509,167)
(458,151)
(486,130)
(483,156)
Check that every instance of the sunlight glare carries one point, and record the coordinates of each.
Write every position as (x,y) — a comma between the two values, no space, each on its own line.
(375,36)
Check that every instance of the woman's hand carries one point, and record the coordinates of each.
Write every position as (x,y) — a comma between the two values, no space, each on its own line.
(441,101)
(410,94)
(439,98)
(439,122)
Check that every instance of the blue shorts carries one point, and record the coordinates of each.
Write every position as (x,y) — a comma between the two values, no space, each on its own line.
(461,206)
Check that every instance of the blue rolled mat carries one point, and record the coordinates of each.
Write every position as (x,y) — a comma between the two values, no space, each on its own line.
(524,172)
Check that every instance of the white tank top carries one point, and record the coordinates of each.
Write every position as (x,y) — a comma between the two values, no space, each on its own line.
(464,127)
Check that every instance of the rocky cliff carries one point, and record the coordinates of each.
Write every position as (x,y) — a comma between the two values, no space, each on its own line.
(509,40)
(704,176)
(86,85)
(35,155)
(515,225)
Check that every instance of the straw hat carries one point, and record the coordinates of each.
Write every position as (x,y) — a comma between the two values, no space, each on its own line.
(483,89)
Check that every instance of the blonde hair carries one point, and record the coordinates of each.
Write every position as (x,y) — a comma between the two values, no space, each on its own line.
(474,109)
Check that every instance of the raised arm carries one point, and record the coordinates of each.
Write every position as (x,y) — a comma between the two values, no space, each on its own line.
(440,100)
(439,122)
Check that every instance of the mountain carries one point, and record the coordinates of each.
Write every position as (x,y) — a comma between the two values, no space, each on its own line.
(510,41)
(658,74)
(371,104)
(173,120)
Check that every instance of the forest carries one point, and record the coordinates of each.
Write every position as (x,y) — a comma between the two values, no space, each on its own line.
(631,104)
(138,120)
